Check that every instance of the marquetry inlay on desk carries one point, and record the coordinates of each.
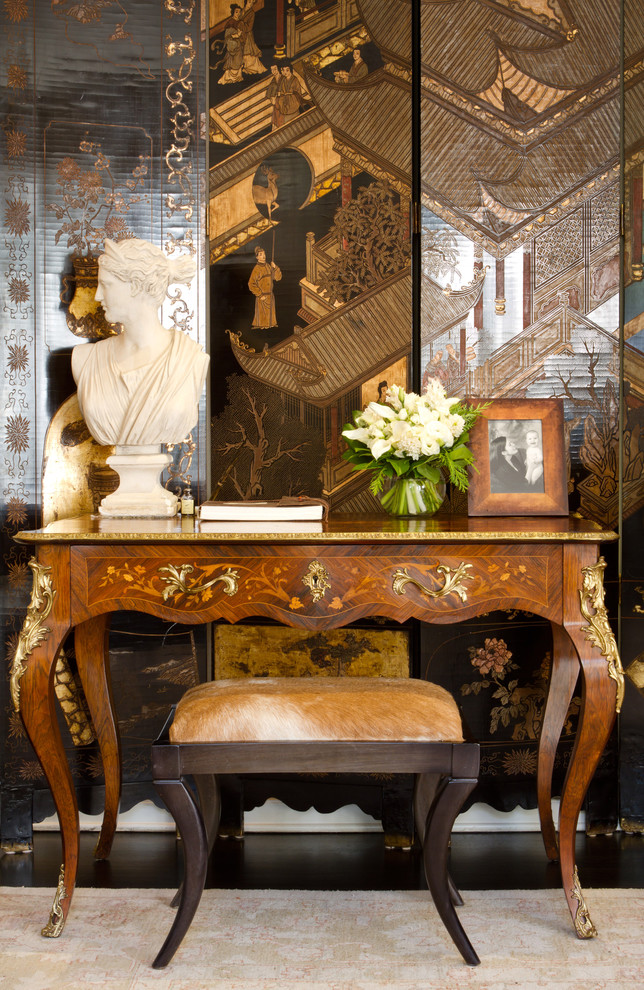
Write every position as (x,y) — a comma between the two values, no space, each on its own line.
(316,576)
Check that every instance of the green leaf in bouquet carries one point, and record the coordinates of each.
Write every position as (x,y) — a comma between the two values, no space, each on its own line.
(400,465)
(426,470)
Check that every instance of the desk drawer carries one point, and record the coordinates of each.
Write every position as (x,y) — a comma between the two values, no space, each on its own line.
(318,585)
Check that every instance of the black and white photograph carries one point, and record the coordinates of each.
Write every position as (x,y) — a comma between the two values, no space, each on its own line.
(516,456)
(520,466)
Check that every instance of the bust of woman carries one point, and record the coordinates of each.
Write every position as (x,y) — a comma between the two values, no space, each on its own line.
(140,388)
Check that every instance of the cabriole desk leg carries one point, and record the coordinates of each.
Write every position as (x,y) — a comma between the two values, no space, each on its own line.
(92,658)
(563,677)
(32,694)
(586,622)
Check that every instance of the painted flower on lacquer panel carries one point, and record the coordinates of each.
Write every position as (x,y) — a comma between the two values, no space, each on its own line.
(31,770)
(16,10)
(17,434)
(90,204)
(520,762)
(18,573)
(16,511)
(19,290)
(18,358)
(16,77)
(16,215)
(16,728)
(493,658)
(16,143)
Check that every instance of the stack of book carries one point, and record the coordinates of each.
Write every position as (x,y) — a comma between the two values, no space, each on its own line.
(302,511)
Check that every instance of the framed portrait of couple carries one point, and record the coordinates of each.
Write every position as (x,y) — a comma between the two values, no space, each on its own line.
(519,459)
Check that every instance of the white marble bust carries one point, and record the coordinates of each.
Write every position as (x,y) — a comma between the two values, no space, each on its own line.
(142,387)
(139,389)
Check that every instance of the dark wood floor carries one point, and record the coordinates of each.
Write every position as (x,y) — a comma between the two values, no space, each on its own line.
(333,862)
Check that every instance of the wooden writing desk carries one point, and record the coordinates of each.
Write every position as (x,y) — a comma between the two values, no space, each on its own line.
(443,569)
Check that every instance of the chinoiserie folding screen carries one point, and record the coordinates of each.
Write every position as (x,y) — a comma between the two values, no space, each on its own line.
(377,192)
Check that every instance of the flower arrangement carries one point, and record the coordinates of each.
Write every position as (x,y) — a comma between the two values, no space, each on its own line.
(412,438)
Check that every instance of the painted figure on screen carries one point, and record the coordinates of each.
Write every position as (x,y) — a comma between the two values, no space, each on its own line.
(260,283)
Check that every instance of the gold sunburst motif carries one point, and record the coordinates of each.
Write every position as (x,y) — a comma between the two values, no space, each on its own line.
(17,216)
(56,922)
(17,434)
(18,358)
(582,921)
(16,143)
(19,290)
(16,10)
(33,630)
(16,77)
(16,511)
(598,631)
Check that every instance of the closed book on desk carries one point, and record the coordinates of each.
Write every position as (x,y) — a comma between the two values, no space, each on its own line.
(283,509)
(258,527)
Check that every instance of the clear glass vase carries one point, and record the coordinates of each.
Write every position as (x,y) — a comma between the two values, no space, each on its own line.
(412,497)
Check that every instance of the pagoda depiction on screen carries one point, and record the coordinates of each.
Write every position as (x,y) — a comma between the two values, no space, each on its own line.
(140,388)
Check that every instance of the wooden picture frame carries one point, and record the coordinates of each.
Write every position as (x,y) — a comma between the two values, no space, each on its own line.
(520,459)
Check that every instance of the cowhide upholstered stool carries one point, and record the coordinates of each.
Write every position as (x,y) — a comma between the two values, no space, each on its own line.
(311,725)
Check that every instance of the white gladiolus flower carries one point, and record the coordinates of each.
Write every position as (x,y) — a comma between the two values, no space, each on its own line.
(393,397)
(411,402)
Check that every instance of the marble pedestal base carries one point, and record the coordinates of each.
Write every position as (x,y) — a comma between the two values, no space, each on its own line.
(140,493)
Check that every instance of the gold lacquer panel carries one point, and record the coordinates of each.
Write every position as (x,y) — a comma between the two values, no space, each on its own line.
(276,651)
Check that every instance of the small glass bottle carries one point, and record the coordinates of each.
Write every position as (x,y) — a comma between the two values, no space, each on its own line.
(187,500)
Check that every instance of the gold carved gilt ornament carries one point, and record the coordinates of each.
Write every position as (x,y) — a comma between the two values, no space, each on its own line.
(56,922)
(599,632)
(33,631)
(583,925)
(176,583)
(316,580)
(453,581)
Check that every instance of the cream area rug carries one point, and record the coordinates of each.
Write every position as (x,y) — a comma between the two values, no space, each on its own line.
(321,940)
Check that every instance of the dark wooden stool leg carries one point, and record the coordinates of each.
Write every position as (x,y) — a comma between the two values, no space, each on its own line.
(184,809)
(448,803)
(454,892)
(210,805)
(424,794)
(397,811)
(231,822)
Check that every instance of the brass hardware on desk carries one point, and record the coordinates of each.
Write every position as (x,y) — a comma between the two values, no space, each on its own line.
(33,631)
(453,581)
(176,582)
(56,922)
(317,580)
(599,632)
(583,925)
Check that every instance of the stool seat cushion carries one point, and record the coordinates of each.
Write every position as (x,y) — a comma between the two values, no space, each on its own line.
(271,709)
